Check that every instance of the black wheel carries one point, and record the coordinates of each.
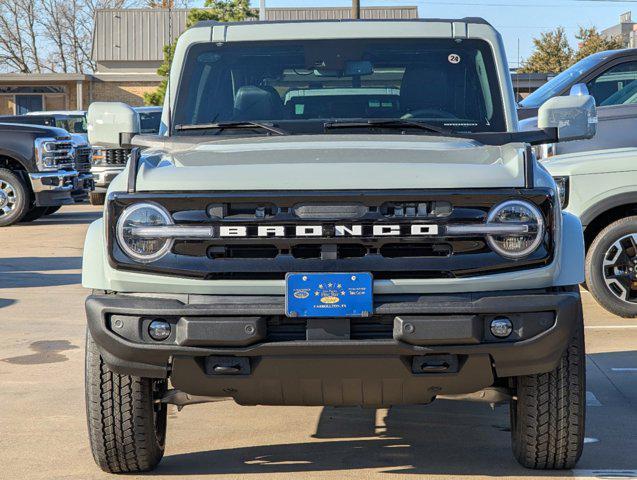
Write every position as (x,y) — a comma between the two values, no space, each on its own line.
(126,423)
(34,214)
(52,210)
(97,198)
(14,198)
(548,415)
(611,267)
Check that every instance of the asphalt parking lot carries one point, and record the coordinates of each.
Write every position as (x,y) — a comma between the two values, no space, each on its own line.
(43,429)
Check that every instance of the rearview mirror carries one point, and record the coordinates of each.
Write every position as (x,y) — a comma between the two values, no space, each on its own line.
(574,117)
(112,124)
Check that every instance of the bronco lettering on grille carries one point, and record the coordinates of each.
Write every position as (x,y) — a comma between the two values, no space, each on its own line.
(280,231)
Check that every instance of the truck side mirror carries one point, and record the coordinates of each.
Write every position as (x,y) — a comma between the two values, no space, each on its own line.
(112,124)
(579,89)
(574,117)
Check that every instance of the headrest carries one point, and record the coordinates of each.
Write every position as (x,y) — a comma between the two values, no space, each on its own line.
(253,103)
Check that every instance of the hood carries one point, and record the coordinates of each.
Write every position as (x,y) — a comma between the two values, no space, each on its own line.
(593,162)
(324,162)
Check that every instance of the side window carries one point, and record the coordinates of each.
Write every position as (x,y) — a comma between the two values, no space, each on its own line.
(616,86)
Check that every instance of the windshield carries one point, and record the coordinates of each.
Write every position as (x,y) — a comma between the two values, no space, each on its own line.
(299,84)
(75,124)
(567,78)
(150,121)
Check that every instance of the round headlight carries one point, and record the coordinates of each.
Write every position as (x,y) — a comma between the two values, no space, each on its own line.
(143,248)
(517,245)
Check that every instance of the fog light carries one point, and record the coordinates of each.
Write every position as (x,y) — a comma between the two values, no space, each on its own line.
(159,330)
(501,327)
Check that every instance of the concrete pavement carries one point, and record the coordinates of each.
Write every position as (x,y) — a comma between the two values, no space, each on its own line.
(43,428)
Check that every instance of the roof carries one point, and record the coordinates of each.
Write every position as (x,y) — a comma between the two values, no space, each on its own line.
(139,35)
(42,77)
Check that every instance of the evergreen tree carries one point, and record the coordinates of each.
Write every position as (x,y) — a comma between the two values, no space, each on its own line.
(552,54)
(218,10)
(590,41)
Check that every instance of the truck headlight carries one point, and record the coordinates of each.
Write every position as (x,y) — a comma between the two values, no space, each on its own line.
(131,237)
(562,190)
(516,212)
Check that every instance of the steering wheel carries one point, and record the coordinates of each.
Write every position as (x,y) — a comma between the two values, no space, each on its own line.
(429,113)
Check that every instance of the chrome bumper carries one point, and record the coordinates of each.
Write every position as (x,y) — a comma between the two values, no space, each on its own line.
(104,175)
(60,181)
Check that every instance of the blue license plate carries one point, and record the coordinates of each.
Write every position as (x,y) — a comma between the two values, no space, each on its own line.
(328,294)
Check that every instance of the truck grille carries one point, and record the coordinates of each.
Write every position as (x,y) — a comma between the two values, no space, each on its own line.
(83,157)
(61,154)
(250,256)
(116,156)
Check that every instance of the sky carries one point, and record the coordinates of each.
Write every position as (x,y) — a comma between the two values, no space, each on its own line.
(515,19)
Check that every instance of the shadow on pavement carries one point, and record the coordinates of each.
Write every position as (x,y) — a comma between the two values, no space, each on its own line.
(6,302)
(444,438)
(63,218)
(22,272)
(45,351)
(39,264)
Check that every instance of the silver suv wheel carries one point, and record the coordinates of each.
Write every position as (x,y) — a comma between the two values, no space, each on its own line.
(620,268)
(7,197)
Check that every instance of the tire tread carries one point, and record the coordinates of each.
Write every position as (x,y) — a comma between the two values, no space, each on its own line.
(120,418)
(550,413)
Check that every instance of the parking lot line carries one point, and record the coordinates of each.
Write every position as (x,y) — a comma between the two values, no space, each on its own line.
(592,401)
(609,327)
(604,473)
(624,369)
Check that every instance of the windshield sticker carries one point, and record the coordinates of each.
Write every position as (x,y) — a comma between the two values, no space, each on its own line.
(454,58)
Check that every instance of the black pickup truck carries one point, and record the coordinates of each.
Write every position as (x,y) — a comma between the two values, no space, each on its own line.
(37,171)
(75,125)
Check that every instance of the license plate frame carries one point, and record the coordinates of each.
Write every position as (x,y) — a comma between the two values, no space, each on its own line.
(337,295)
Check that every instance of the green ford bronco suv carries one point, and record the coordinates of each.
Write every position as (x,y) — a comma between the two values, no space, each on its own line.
(600,187)
(336,213)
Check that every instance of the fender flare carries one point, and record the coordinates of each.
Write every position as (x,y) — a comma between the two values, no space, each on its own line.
(15,156)
(606,204)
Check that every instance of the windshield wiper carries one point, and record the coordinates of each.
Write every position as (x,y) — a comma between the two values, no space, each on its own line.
(399,123)
(270,127)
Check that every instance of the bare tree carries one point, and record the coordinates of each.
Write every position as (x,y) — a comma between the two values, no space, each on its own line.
(50,35)
(18,35)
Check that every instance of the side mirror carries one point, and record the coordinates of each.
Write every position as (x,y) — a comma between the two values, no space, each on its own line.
(112,124)
(578,90)
(574,117)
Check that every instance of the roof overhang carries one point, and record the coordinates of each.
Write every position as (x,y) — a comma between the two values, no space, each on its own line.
(42,77)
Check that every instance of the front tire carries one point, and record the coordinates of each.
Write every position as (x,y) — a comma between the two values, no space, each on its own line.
(548,415)
(97,198)
(14,198)
(34,214)
(52,210)
(611,267)
(126,425)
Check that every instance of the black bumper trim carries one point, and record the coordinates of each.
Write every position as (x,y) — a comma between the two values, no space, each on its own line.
(535,355)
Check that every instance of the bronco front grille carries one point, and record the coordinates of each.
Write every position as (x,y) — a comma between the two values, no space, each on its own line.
(250,256)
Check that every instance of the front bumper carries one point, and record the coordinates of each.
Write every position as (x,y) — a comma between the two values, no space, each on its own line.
(231,346)
(53,188)
(84,185)
(104,175)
